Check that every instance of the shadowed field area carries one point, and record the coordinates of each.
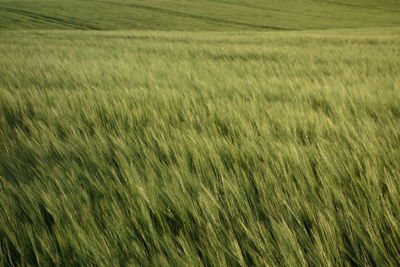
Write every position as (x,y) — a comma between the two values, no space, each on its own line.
(185,15)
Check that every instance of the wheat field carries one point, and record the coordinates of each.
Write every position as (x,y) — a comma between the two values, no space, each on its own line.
(211,147)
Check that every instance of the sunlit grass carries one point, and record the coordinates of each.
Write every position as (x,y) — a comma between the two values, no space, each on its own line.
(195,149)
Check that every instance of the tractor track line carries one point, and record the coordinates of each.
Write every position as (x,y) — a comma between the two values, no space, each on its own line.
(359,6)
(204,18)
(49,19)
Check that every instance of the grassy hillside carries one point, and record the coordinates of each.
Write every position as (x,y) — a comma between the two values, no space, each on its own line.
(188,149)
(197,15)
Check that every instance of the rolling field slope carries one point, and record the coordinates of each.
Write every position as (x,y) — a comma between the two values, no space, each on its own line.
(197,15)
(199,133)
